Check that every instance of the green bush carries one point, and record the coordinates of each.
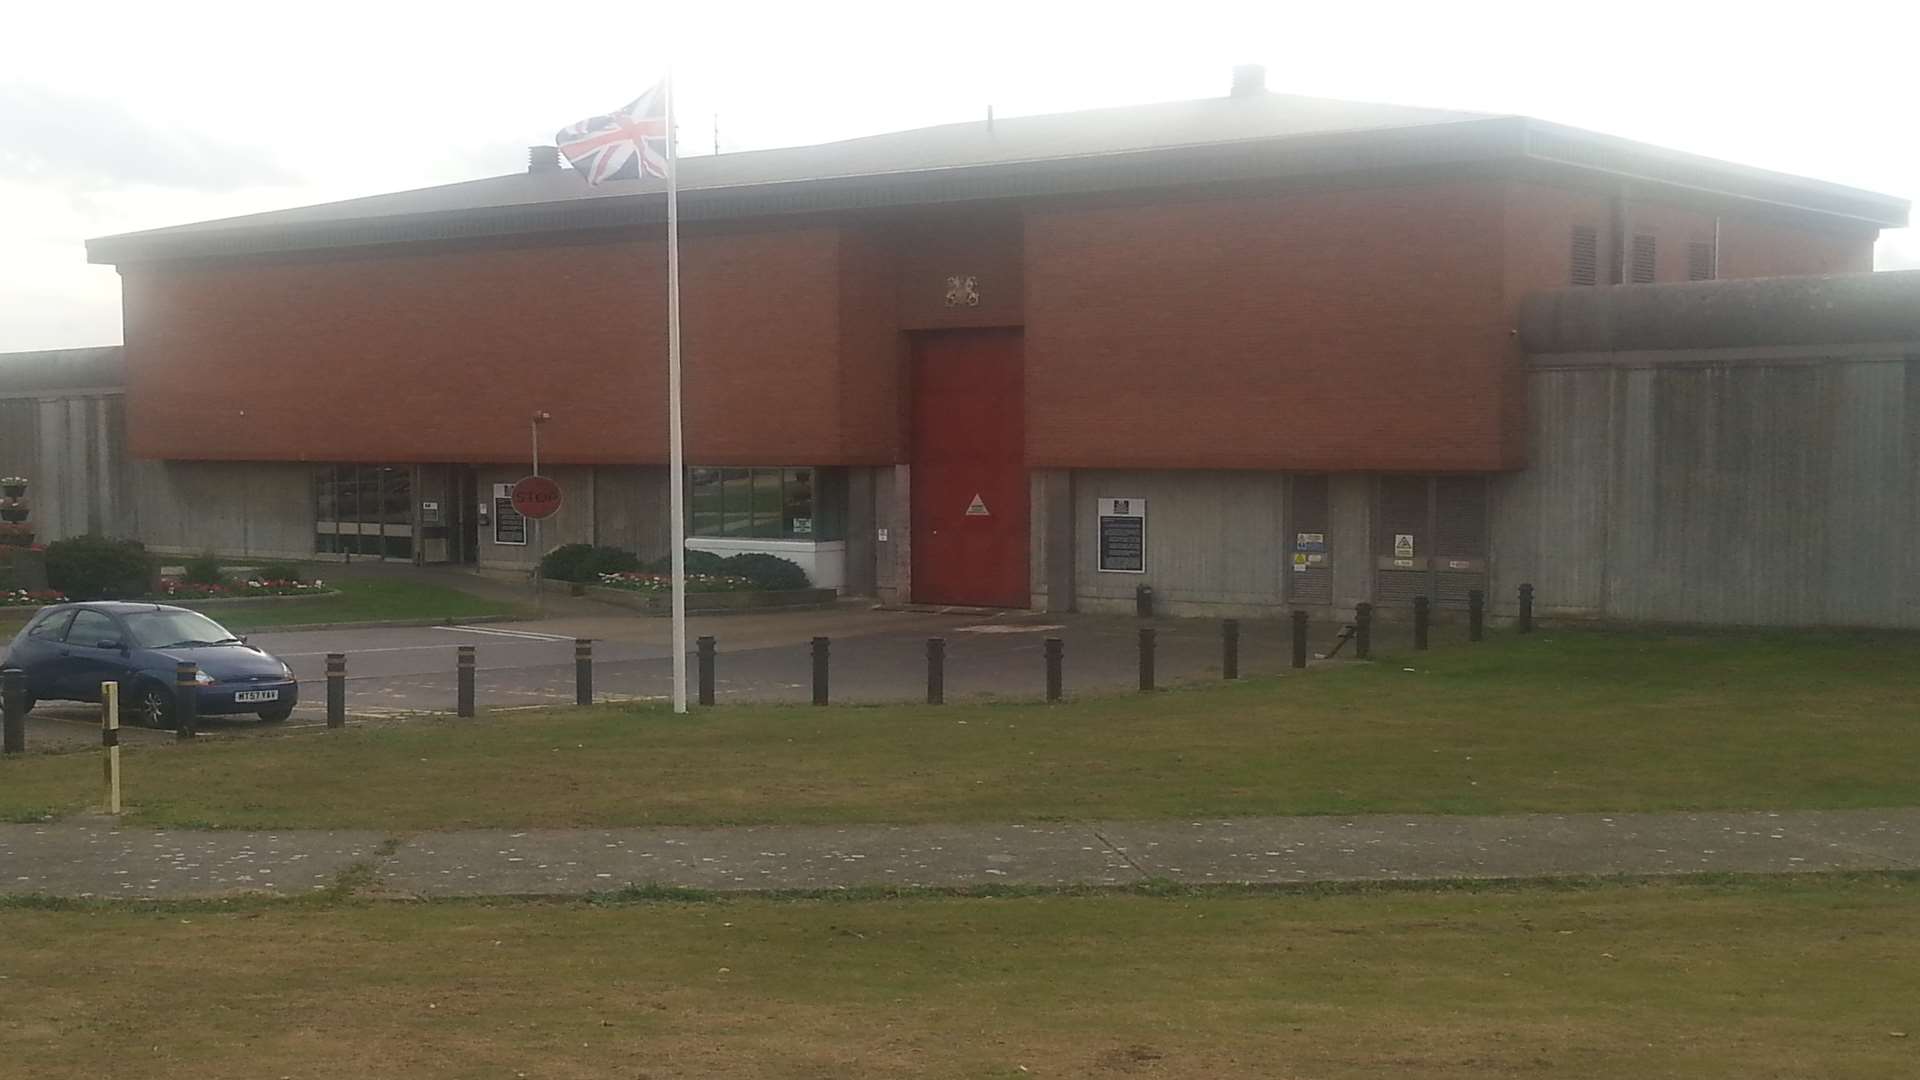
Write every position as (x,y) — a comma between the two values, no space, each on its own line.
(279,571)
(96,568)
(203,570)
(698,562)
(585,562)
(769,573)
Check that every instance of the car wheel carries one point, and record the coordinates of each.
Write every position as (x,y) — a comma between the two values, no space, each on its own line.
(156,706)
(275,716)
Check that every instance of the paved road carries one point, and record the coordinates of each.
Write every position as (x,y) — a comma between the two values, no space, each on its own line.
(96,859)
(877,656)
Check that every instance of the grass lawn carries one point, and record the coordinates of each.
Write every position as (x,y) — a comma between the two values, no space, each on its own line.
(1812,976)
(1556,722)
(359,600)
(356,600)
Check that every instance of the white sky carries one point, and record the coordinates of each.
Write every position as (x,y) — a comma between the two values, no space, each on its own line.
(115,118)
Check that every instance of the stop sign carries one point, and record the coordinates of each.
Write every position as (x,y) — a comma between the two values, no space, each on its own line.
(536,497)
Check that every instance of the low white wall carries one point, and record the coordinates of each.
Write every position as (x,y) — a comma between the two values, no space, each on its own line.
(825,561)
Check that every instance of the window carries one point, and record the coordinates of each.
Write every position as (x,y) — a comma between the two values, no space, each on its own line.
(1586,256)
(1701,258)
(53,627)
(1643,259)
(90,628)
(363,510)
(766,502)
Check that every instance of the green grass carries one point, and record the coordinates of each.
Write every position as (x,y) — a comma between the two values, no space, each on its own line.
(1811,976)
(360,600)
(1560,722)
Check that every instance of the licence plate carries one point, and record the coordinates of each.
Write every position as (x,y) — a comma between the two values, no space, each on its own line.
(257,695)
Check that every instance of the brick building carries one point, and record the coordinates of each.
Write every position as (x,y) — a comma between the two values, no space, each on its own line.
(1283,332)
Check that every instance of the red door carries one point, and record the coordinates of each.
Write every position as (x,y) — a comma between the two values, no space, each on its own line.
(969,470)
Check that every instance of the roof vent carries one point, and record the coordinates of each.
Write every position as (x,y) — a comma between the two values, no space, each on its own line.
(543,159)
(1249,79)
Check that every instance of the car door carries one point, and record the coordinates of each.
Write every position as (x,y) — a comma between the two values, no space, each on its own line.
(95,653)
(38,652)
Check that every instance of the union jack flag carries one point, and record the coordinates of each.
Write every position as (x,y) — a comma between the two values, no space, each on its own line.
(621,145)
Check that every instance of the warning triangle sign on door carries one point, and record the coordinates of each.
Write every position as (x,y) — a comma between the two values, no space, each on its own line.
(978,507)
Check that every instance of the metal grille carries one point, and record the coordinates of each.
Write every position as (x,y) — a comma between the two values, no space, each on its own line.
(1643,260)
(1700,260)
(1586,256)
(1313,585)
(1397,588)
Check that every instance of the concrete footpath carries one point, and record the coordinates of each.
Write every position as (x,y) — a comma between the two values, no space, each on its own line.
(97,859)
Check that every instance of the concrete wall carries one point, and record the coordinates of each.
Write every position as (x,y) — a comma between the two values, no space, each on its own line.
(1213,541)
(1771,486)
(72,448)
(228,507)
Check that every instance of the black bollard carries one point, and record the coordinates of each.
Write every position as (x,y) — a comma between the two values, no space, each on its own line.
(820,646)
(1230,649)
(1526,609)
(186,700)
(1421,613)
(936,671)
(463,693)
(1146,658)
(1054,649)
(1476,615)
(1143,601)
(703,655)
(582,671)
(1363,631)
(336,689)
(13,702)
(1300,639)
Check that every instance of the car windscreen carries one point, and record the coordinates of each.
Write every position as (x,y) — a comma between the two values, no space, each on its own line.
(160,629)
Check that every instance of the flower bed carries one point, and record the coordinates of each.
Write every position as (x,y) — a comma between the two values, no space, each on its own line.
(30,598)
(175,589)
(641,581)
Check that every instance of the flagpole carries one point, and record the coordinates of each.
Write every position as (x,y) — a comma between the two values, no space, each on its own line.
(675,462)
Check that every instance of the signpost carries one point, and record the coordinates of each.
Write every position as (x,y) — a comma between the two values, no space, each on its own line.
(536,497)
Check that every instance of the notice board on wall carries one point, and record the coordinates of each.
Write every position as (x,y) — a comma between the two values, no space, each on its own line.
(509,526)
(1123,536)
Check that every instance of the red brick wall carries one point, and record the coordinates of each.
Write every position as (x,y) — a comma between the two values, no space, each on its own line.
(1337,330)
(438,356)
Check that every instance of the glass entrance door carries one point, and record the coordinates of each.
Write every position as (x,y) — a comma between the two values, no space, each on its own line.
(364,511)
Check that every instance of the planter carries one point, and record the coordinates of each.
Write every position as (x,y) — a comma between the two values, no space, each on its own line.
(14,514)
(660,603)
(13,491)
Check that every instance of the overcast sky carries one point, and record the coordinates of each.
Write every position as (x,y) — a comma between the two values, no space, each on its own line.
(121,118)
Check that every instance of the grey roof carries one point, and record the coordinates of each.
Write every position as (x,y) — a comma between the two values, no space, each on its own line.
(51,372)
(1216,139)
(1817,309)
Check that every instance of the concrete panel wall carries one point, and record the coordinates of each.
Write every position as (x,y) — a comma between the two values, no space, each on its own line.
(1703,486)
(1214,541)
(231,508)
(630,509)
(72,449)
(573,523)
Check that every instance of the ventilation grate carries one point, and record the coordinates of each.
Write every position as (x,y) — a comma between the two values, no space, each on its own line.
(1586,256)
(1643,260)
(1700,260)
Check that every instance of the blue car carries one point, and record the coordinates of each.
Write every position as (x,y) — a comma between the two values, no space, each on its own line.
(68,650)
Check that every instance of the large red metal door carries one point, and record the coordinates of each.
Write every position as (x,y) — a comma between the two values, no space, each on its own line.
(969,469)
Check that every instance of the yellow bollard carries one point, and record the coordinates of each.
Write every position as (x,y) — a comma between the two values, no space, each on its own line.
(110,738)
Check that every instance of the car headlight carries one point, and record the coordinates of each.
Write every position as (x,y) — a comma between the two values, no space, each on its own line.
(203,678)
(286,669)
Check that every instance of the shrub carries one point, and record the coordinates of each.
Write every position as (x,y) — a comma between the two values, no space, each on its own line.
(96,568)
(585,562)
(770,572)
(203,570)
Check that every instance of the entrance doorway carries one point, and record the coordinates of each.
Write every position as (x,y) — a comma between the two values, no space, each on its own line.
(970,497)
(463,515)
